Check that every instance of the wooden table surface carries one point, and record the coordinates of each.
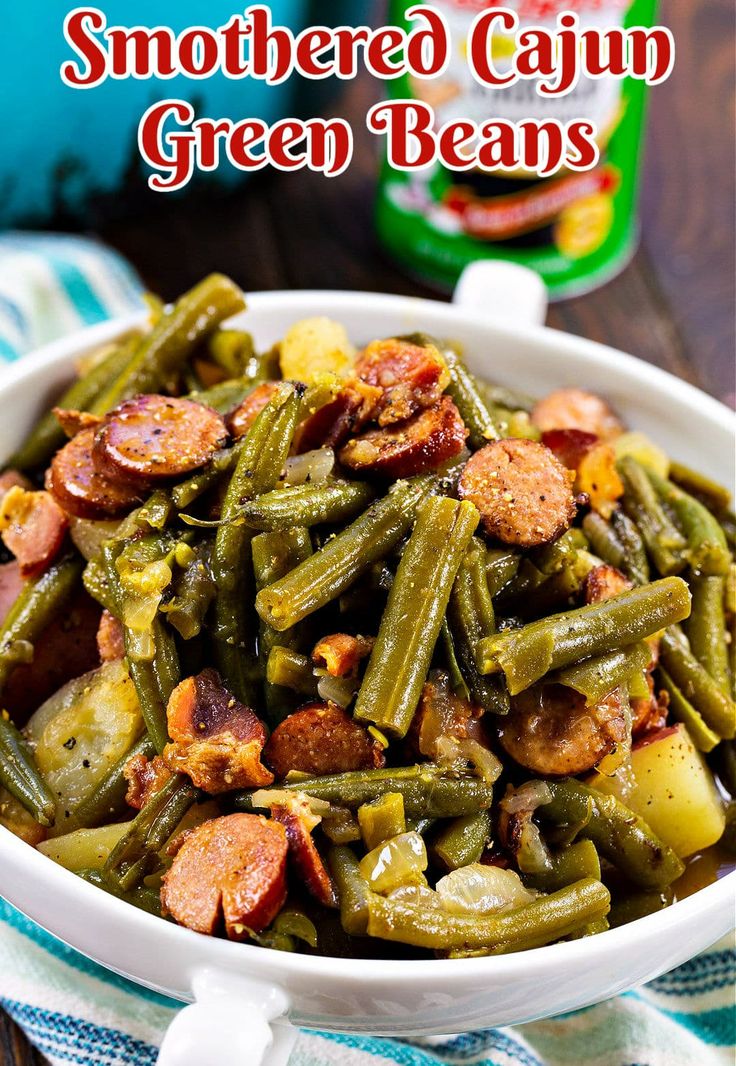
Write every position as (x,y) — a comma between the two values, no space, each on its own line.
(673,305)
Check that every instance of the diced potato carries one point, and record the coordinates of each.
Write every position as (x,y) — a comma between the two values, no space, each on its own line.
(598,478)
(84,849)
(316,346)
(644,450)
(672,789)
(81,731)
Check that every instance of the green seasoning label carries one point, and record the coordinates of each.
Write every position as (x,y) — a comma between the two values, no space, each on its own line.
(575,229)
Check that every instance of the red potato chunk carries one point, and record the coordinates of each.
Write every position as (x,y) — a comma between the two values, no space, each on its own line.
(576,409)
(81,490)
(230,869)
(33,528)
(319,739)
(410,376)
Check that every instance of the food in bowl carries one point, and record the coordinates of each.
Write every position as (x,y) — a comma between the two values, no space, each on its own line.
(387,653)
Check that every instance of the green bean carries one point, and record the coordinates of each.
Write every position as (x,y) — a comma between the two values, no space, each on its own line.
(331,570)
(619,835)
(707,550)
(135,853)
(352,890)
(540,922)
(221,464)
(290,669)
(225,396)
(163,351)
(728,525)
(603,540)
(716,706)
(568,864)
(447,643)
(381,819)
(563,588)
(410,625)
(39,602)
(428,790)
(628,908)
(194,589)
(525,655)
(232,350)
(461,841)
(597,677)
(702,735)
(471,617)
(307,505)
(635,564)
(501,565)
(257,471)
(712,495)
(107,801)
(475,412)
(145,899)
(665,544)
(501,396)
(706,628)
(20,775)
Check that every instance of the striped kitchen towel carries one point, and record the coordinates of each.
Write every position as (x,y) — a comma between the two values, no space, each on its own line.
(76,1012)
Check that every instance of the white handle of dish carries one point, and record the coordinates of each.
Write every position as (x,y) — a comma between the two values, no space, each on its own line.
(503,292)
(234,1021)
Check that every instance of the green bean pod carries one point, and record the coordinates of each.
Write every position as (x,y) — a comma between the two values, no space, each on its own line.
(352,890)
(233,351)
(706,628)
(330,571)
(461,841)
(219,466)
(707,550)
(665,544)
(225,396)
(597,677)
(710,493)
(107,801)
(20,775)
(287,668)
(619,835)
(428,790)
(307,505)
(697,686)
(176,334)
(634,905)
(194,590)
(145,899)
(703,737)
(399,662)
(568,865)
(476,413)
(501,565)
(527,654)
(604,541)
(635,563)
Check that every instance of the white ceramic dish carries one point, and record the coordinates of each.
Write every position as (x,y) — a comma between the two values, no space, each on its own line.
(246,997)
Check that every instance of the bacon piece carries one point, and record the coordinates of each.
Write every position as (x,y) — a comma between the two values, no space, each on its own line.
(153,437)
(319,739)
(305,857)
(80,489)
(569,445)
(423,443)
(523,492)
(576,409)
(11,478)
(110,639)
(410,376)
(231,868)
(145,778)
(242,418)
(73,422)
(331,425)
(33,528)
(216,740)
(340,654)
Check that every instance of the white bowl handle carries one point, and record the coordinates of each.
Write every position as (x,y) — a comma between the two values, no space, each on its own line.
(234,1021)
(503,292)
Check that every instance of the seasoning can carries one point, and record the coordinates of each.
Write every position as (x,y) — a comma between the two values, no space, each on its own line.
(577,230)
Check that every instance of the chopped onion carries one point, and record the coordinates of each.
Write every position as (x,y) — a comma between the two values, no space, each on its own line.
(401,860)
(533,855)
(313,467)
(308,808)
(527,797)
(485,762)
(417,896)
(478,889)
(339,690)
(140,611)
(140,646)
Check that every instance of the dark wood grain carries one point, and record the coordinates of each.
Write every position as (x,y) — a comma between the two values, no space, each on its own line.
(672,306)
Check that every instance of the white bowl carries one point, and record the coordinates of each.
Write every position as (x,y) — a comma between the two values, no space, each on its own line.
(241,989)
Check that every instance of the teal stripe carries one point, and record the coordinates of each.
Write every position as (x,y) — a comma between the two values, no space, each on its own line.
(404,1054)
(7,351)
(78,290)
(717,1027)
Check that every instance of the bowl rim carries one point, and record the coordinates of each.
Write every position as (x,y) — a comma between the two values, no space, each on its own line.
(422,973)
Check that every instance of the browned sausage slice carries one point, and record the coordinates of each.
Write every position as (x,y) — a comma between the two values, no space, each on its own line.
(232,868)
(411,377)
(576,409)
(442,714)
(242,418)
(423,443)
(145,778)
(33,528)
(216,740)
(551,731)
(523,492)
(305,857)
(321,739)
(80,489)
(341,653)
(153,437)
(332,423)
(110,640)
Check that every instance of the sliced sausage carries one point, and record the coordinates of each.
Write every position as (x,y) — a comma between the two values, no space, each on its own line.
(523,492)
(604,581)
(110,639)
(231,868)
(332,423)
(321,739)
(242,418)
(569,445)
(33,527)
(305,857)
(216,740)
(576,409)
(423,443)
(551,731)
(340,654)
(153,437)
(73,422)
(440,713)
(145,778)
(410,376)
(80,489)
(11,478)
